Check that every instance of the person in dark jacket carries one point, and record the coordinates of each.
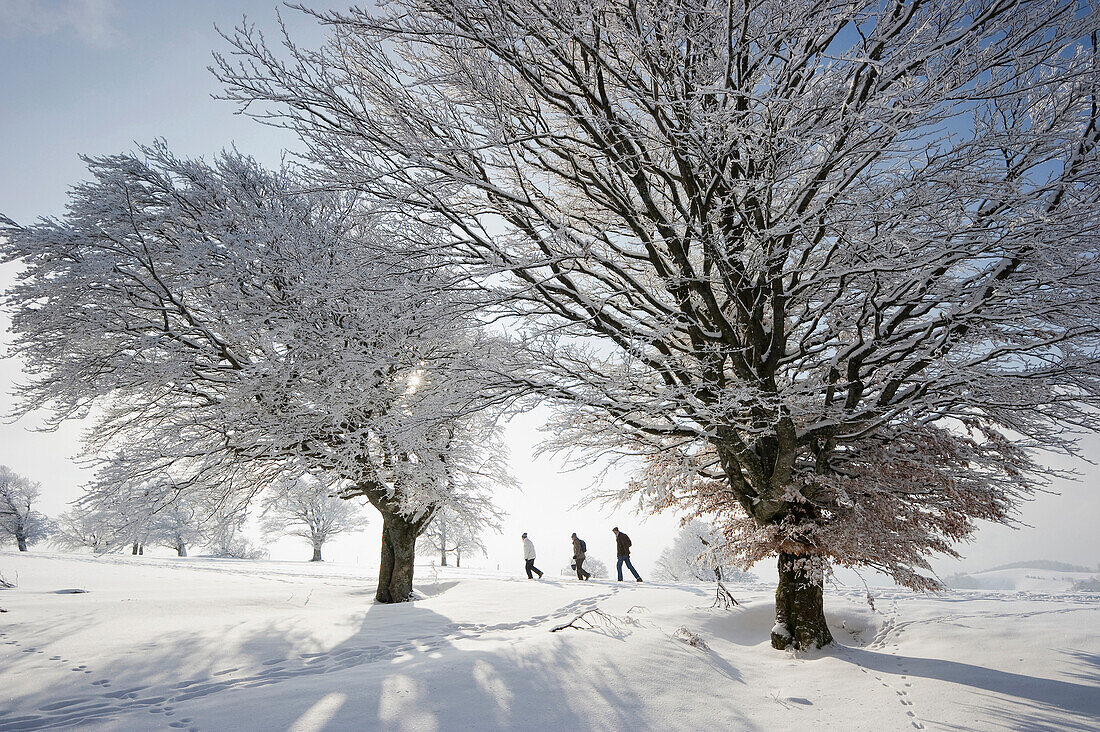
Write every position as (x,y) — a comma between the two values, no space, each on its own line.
(622,551)
(579,549)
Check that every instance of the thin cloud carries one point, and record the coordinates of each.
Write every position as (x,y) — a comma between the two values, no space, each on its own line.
(91,21)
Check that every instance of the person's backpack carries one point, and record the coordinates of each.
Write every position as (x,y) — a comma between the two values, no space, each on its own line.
(584,547)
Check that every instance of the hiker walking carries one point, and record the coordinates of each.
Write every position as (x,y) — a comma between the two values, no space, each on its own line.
(622,551)
(529,557)
(579,548)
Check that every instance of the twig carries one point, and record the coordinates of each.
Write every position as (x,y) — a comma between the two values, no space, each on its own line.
(691,638)
(724,598)
(594,618)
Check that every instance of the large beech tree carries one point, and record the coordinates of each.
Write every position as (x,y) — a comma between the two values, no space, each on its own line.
(830,266)
(229,330)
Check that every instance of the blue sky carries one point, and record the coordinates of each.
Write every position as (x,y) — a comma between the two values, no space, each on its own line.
(96,76)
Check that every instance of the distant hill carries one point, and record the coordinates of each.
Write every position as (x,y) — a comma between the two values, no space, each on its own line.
(1039,575)
(1042,564)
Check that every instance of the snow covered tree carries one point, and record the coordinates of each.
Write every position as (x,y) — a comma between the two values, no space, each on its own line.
(308,509)
(177,523)
(134,515)
(829,268)
(18,519)
(233,326)
(452,532)
(596,567)
(696,554)
(224,535)
(131,515)
(84,528)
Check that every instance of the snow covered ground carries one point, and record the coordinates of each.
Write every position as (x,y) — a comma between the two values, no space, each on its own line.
(200,644)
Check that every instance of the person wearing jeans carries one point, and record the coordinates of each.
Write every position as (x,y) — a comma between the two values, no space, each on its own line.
(529,557)
(622,551)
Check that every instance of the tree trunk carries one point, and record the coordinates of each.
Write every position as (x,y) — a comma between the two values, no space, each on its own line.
(181,549)
(442,558)
(134,550)
(395,572)
(21,540)
(316,553)
(799,607)
(458,559)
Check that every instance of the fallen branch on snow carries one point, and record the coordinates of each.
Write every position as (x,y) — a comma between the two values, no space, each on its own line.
(724,598)
(593,619)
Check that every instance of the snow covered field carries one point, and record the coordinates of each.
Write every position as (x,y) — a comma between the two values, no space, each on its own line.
(199,644)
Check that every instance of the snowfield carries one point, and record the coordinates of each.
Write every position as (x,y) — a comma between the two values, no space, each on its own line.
(200,644)
(1022,578)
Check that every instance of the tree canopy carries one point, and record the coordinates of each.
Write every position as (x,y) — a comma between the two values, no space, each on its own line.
(829,268)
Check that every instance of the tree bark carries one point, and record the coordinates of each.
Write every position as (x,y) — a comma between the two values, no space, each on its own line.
(134,550)
(799,604)
(316,553)
(395,571)
(181,549)
(442,558)
(21,541)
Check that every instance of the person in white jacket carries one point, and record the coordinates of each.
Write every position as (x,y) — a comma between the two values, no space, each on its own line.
(529,557)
